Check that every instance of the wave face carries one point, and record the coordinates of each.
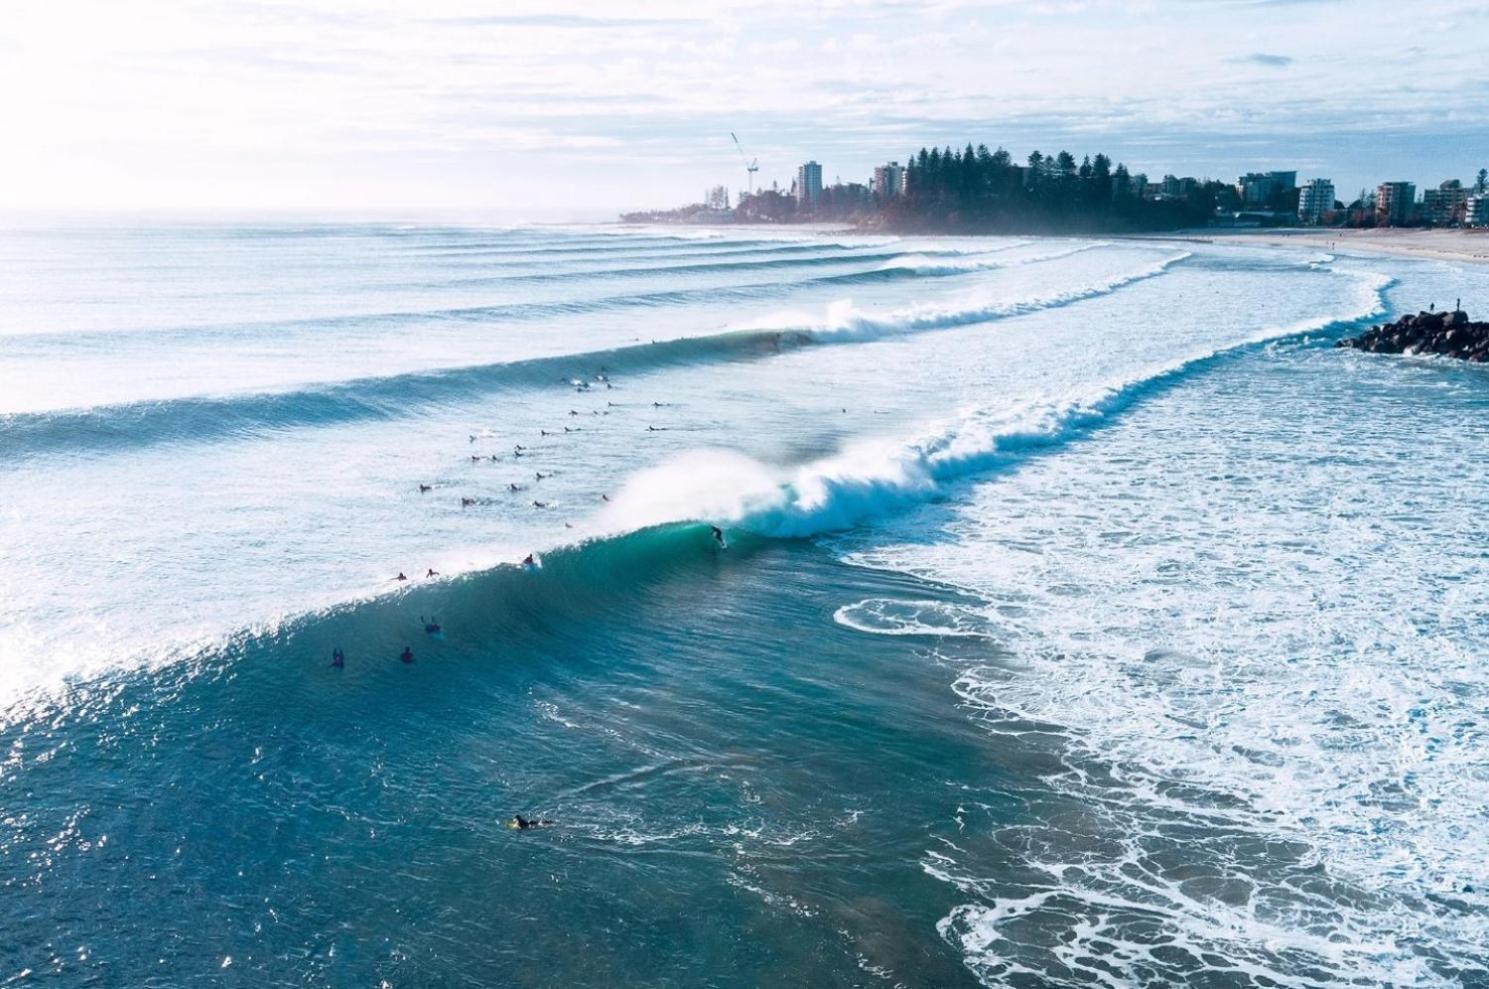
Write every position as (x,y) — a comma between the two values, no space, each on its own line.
(940,611)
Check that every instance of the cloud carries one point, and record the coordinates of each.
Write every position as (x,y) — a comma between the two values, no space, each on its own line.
(1262,58)
(554,21)
(230,97)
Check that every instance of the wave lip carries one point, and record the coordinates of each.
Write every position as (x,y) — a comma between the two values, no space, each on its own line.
(204,418)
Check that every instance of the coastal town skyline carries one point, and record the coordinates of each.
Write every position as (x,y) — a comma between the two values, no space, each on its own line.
(329,105)
(977,189)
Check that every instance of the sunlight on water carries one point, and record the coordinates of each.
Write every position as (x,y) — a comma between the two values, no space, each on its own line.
(1163,616)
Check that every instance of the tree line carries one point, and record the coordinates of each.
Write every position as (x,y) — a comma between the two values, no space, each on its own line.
(975,189)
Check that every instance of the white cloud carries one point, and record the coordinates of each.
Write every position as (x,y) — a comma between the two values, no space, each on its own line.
(335,103)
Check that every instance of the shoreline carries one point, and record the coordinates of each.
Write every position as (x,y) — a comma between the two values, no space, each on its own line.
(1464,246)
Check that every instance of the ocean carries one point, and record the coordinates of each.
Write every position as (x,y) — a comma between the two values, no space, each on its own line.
(1079,615)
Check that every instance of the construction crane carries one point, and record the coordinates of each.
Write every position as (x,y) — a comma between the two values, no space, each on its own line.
(751,166)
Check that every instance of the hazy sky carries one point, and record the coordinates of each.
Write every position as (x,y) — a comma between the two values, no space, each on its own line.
(334,104)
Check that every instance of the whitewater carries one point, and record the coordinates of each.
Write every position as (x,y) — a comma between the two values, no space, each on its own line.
(1087,618)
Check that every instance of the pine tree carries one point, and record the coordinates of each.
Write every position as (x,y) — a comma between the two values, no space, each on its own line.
(1036,169)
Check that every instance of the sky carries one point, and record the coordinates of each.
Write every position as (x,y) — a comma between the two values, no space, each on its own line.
(509,105)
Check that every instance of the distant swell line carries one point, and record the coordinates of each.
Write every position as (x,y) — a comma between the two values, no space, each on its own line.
(199,419)
(514,311)
(669,253)
(703,267)
(641,247)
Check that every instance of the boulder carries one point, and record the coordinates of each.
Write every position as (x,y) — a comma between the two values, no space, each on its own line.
(1449,334)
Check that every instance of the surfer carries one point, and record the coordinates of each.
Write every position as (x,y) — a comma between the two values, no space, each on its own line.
(407,655)
(432,573)
(604,497)
(530,562)
(539,504)
(513,486)
(467,502)
(338,658)
(400,576)
(431,627)
(718,536)
(425,487)
(520,823)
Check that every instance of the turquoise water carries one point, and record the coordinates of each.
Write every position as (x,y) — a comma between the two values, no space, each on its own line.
(1086,617)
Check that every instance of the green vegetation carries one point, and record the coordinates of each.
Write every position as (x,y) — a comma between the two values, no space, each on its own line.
(977,190)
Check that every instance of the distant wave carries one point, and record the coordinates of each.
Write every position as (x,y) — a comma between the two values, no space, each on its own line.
(198,419)
(931,264)
(710,266)
(673,252)
(637,245)
(484,313)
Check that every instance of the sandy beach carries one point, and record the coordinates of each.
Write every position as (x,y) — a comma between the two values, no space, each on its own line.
(1471,246)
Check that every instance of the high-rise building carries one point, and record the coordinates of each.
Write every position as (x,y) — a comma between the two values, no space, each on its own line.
(1394,202)
(1476,211)
(809,186)
(1177,188)
(1445,205)
(889,181)
(1258,189)
(1315,200)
